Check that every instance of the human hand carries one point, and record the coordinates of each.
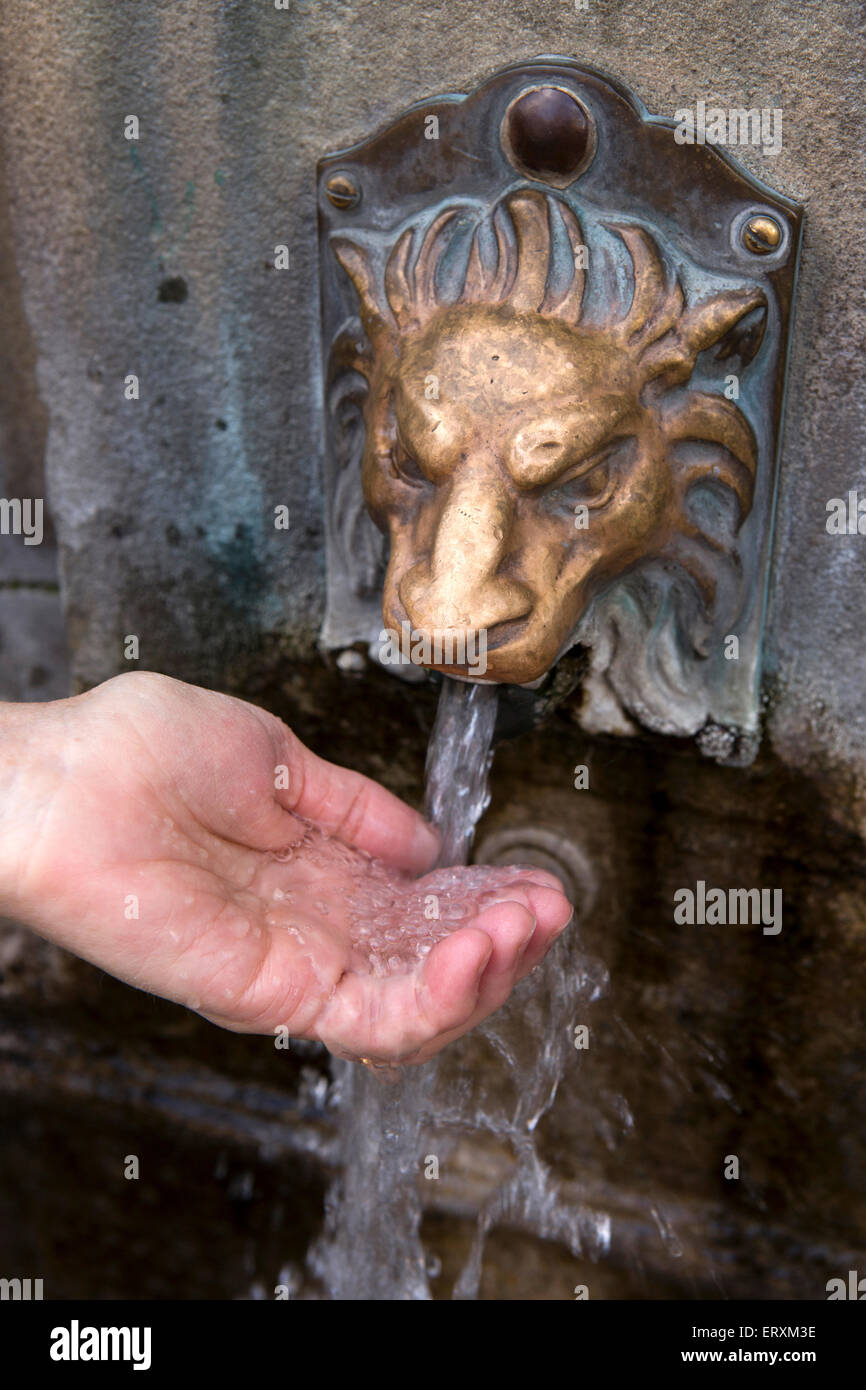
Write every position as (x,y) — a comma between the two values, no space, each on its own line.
(145,828)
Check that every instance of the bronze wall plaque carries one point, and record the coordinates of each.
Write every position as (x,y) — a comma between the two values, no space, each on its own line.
(554,344)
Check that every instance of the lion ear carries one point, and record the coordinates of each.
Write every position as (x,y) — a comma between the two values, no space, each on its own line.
(355,260)
(733,322)
(744,338)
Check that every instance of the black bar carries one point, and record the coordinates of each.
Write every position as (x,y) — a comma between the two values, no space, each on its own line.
(257,1338)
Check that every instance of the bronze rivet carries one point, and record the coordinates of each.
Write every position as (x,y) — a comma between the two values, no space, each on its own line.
(342,191)
(762,235)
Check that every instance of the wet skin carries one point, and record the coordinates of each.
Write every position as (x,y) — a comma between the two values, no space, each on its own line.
(139,825)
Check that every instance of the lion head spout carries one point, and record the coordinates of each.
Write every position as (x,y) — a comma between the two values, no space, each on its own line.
(523,454)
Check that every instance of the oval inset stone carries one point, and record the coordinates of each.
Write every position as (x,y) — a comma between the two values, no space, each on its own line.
(547,133)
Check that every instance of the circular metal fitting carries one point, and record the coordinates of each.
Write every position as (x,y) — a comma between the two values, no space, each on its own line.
(544,848)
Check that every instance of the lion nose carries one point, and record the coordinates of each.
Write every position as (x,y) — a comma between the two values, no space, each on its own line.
(457,585)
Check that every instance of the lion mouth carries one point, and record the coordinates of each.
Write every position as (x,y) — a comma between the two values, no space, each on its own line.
(504,633)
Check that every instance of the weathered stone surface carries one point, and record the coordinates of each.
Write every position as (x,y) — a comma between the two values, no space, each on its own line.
(33,662)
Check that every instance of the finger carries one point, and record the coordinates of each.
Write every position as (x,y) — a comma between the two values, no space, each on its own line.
(510,926)
(451,978)
(543,894)
(531,873)
(389,1019)
(514,953)
(356,810)
(553,912)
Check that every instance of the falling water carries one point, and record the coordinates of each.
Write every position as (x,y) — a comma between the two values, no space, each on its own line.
(371,1248)
(458,764)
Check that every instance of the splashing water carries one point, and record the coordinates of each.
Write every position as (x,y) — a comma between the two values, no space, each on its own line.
(371,1247)
(392,919)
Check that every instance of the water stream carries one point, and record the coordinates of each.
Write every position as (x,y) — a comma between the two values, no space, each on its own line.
(458,765)
(390,1129)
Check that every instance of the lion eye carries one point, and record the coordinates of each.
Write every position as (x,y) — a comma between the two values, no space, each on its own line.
(590,486)
(404,467)
(595,479)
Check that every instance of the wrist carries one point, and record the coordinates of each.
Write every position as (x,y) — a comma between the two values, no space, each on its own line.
(31,743)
